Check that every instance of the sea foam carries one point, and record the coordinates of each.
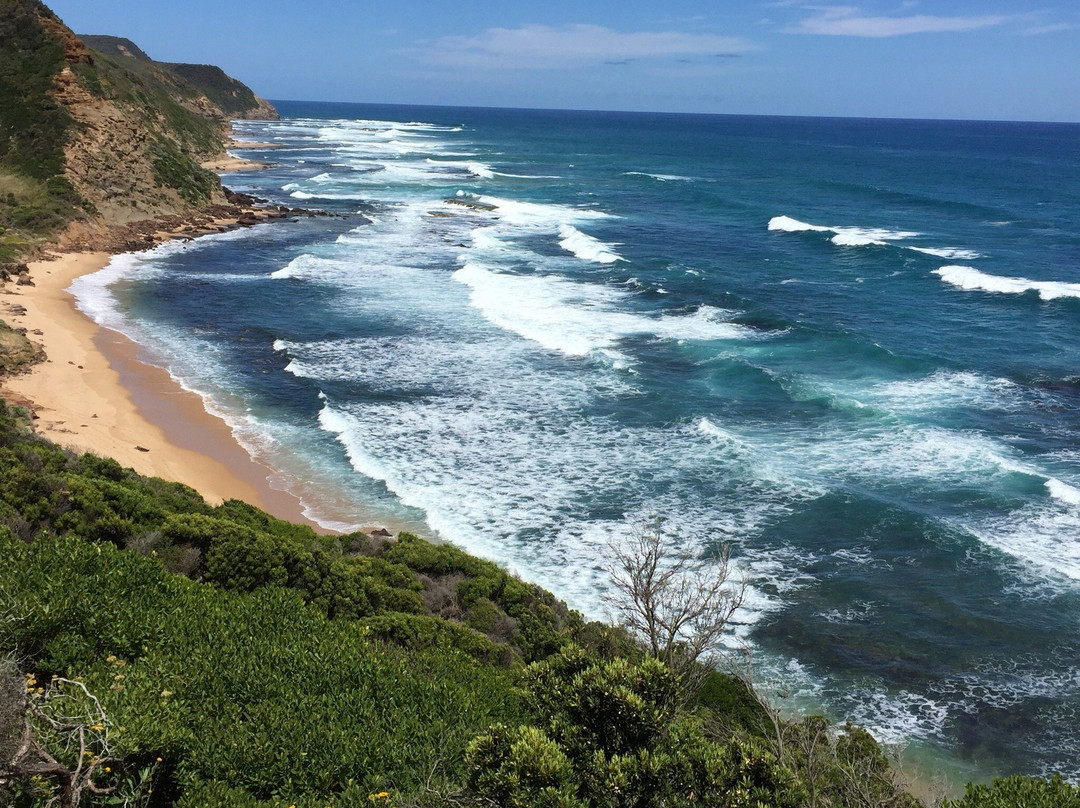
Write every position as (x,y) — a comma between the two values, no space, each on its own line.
(578,318)
(843,236)
(586,247)
(971,279)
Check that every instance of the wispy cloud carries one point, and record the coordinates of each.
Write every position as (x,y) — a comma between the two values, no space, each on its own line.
(849,21)
(547,47)
(1050,28)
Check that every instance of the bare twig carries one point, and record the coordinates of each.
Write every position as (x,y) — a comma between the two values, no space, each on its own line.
(677,604)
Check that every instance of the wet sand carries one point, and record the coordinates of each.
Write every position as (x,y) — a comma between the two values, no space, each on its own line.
(93,394)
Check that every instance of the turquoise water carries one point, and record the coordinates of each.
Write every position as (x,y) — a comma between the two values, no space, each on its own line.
(847,348)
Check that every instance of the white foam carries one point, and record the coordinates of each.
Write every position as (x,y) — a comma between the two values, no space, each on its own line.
(578,318)
(304,267)
(481,170)
(1063,492)
(660,177)
(846,236)
(527,176)
(971,279)
(897,718)
(586,247)
(949,253)
(539,215)
(942,390)
(857,238)
(788,225)
(1042,536)
(486,238)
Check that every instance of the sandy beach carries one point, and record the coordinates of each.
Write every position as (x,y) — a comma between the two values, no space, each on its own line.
(225,165)
(92,394)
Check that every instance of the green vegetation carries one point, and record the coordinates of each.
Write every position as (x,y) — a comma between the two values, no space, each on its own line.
(35,199)
(174,169)
(1013,792)
(34,127)
(218,657)
(115,46)
(162,100)
(612,733)
(233,97)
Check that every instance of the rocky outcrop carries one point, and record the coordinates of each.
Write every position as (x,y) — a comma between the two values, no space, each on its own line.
(17,353)
(263,111)
(141,133)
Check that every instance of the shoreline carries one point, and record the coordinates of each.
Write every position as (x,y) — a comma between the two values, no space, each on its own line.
(93,393)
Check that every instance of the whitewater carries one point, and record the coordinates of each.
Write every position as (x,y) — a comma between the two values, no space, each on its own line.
(847,350)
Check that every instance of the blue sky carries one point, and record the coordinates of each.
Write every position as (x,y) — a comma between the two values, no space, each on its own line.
(1015,60)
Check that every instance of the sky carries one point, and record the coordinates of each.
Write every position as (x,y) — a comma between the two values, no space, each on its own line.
(966,59)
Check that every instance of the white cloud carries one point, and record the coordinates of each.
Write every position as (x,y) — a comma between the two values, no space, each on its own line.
(1050,28)
(545,47)
(848,21)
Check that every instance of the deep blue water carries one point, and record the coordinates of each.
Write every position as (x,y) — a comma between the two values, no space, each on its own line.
(848,348)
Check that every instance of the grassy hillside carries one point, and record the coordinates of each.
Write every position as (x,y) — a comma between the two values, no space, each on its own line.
(115,46)
(233,97)
(36,199)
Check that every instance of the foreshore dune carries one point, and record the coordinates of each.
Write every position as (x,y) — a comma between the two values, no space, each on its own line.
(93,394)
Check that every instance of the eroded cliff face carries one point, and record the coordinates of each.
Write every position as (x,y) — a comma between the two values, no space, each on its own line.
(95,144)
(264,111)
(115,151)
(109,160)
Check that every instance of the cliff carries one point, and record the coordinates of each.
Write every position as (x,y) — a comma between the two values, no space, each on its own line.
(232,97)
(95,140)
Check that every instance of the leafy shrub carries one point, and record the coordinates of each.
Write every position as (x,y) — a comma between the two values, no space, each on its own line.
(174,169)
(257,693)
(1016,791)
(417,632)
(612,733)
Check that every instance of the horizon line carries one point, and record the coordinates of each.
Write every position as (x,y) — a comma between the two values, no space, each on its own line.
(685,113)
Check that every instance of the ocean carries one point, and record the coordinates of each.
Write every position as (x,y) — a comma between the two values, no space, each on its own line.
(847,349)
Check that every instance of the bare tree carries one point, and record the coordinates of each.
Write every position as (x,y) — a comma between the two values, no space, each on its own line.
(677,603)
(58,734)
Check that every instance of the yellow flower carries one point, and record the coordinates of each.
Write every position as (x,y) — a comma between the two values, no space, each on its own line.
(108,769)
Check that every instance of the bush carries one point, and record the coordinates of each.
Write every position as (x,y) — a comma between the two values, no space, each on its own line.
(1016,791)
(611,733)
(258,692)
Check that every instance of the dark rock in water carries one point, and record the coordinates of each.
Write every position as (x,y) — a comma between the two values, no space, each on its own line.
(381,532)
(242,200)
